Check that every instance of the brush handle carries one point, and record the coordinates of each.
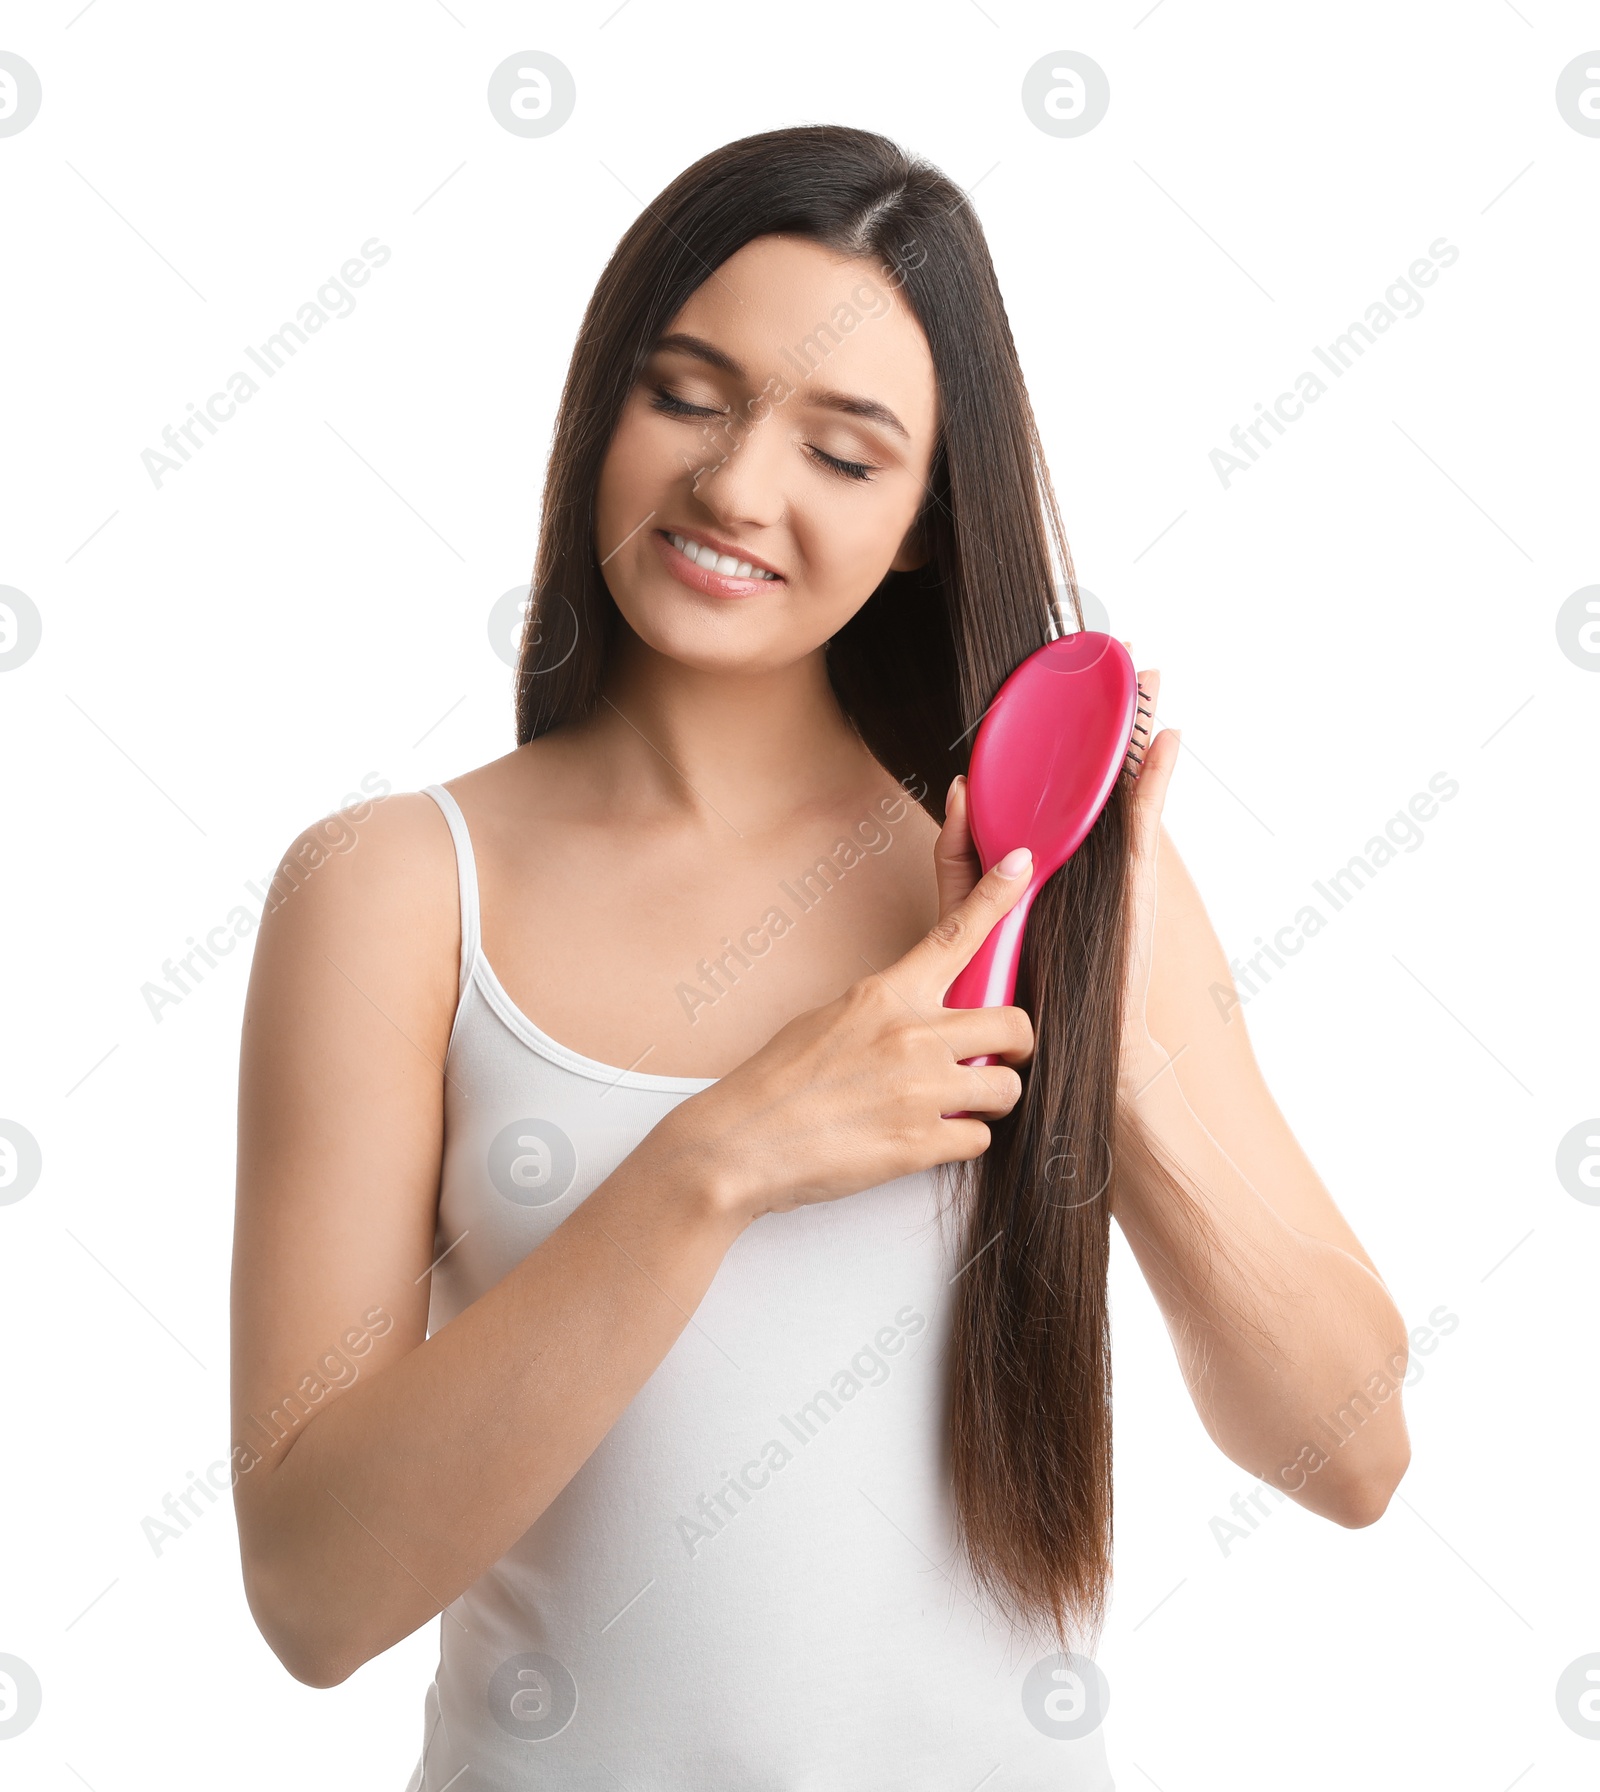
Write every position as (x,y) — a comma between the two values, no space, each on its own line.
(989,978)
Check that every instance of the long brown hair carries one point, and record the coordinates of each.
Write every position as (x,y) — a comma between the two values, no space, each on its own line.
(914,669)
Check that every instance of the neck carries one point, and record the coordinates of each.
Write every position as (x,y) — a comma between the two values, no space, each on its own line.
(742,748)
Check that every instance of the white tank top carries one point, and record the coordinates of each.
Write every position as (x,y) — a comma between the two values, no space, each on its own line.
(753,1582)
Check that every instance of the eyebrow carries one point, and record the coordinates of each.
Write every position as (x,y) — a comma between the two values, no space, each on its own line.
(852,404)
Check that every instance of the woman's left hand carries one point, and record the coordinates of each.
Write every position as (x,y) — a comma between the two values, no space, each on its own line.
(957,868)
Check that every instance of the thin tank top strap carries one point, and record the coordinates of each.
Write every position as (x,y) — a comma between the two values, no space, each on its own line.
(467,875)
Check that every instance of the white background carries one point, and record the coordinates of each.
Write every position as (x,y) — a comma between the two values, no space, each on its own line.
(306,602)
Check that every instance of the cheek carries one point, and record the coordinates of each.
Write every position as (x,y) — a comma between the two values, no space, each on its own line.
(635,454)
(852,535)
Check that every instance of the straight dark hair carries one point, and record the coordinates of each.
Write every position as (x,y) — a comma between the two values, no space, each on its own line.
(914,669)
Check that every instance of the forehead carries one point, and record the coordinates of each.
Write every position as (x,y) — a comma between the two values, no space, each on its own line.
(787,308)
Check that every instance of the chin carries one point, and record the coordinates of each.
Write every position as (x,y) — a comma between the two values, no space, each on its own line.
(712,635)
(692,637)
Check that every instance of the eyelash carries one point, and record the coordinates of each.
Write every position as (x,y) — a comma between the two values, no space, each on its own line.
(665,402)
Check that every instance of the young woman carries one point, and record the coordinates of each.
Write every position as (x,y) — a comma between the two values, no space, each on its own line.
(598,1287)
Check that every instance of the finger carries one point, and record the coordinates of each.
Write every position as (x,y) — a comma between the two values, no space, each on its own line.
(997,1096)
(1155,774)
(988,1088)
(955,859)
(1002,1033)
(944,951)
(965,1139)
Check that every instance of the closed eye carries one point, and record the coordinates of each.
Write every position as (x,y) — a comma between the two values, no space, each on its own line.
(672,406)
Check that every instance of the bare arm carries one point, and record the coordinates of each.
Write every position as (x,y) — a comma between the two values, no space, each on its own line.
(411,1464)
(1288,1339)
(1291,1347)
(423,1459)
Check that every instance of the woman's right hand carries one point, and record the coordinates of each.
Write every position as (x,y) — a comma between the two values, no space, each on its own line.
(856,1092)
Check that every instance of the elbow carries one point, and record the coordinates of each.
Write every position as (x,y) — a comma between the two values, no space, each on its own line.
(1367,1497)
(299,1631)
(311,1669)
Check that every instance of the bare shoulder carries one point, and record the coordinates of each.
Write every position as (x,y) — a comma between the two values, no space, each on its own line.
(382,848)
(378,862)
(371,891)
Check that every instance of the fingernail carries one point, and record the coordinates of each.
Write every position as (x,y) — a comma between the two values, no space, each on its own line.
(1015,862)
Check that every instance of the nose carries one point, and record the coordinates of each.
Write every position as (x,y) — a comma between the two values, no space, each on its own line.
(737,474)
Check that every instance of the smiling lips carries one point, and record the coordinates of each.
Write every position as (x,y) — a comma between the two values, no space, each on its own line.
(702,568)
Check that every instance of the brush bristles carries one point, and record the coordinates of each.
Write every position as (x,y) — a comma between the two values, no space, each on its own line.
(1139,738)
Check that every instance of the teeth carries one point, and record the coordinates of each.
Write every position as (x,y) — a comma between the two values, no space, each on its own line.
(715,562)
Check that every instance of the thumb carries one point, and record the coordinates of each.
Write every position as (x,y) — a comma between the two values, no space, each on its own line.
(966,923)
(956,866)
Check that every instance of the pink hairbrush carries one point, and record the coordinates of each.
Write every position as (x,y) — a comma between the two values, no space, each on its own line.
(1047,756)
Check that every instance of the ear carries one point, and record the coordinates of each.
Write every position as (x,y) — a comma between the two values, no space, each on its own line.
(912,553)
